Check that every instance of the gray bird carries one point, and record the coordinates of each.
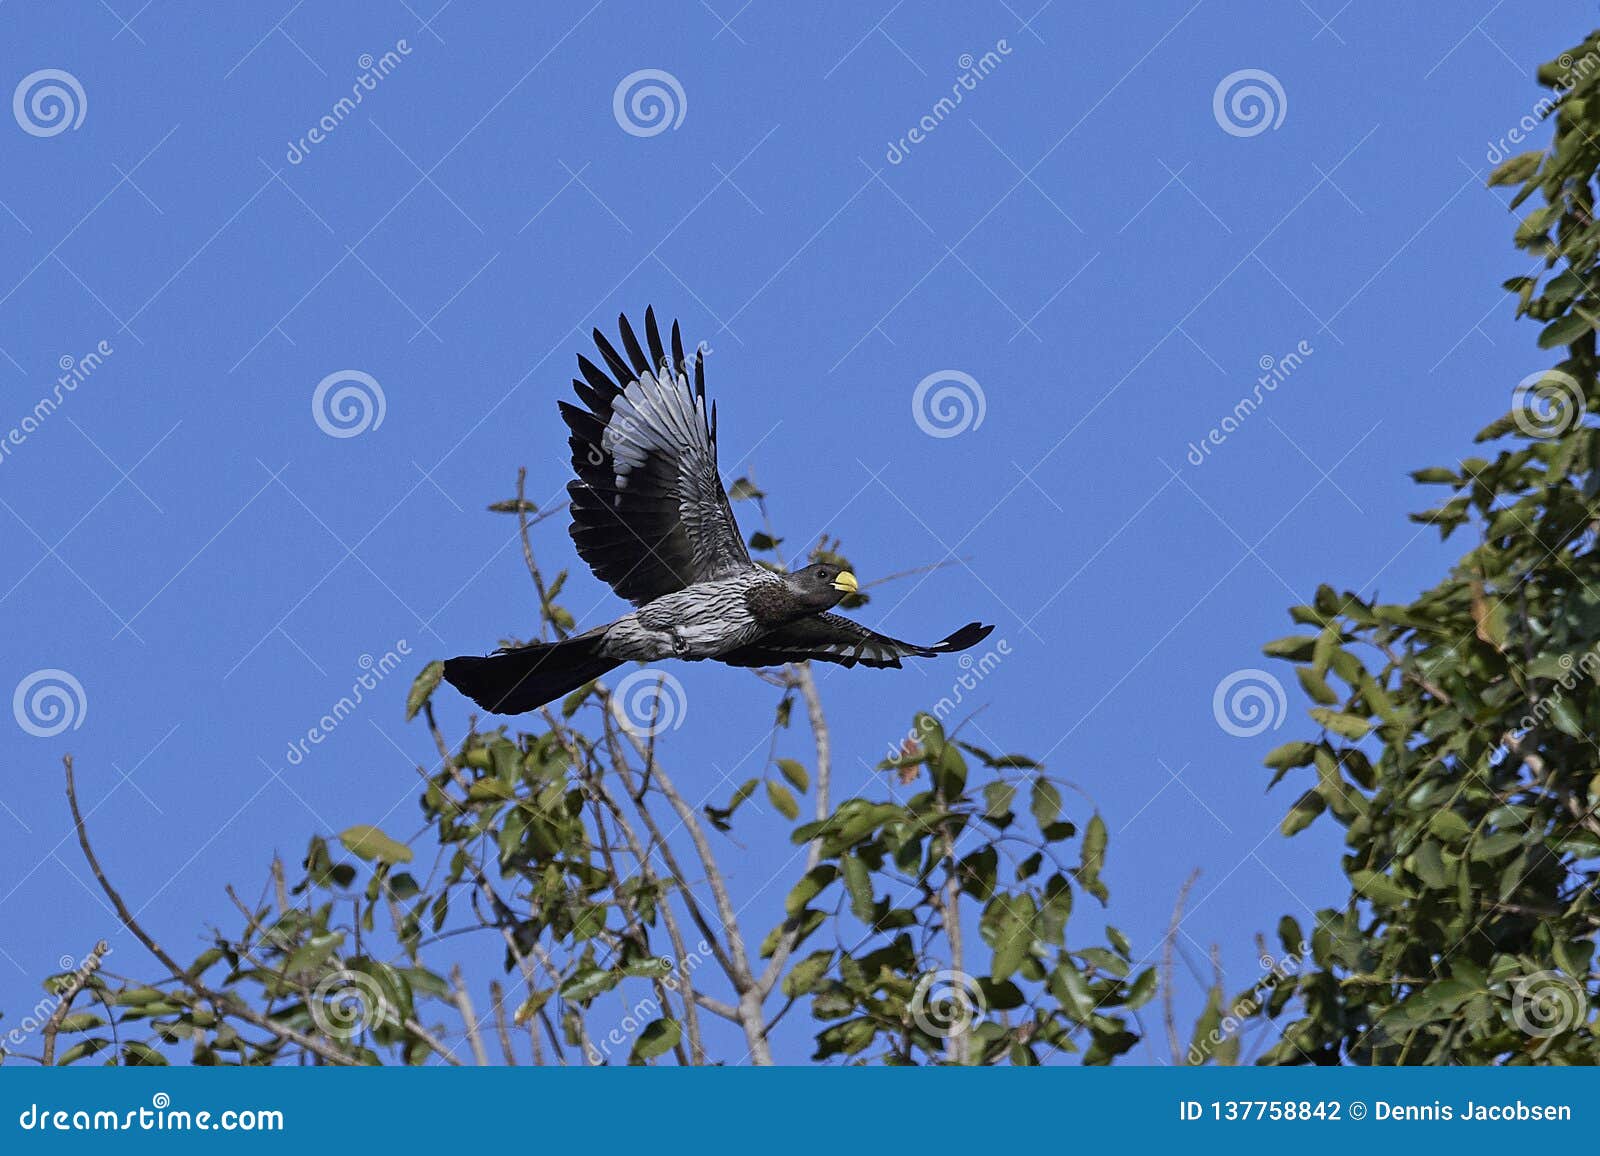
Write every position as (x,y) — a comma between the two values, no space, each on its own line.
(651,518)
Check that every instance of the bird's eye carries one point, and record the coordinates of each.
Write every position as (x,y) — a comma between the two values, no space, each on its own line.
(825,574)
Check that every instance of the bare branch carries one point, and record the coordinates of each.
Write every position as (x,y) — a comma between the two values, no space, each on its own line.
(69,992)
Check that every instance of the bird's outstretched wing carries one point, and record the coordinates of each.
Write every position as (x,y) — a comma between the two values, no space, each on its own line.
(649,514)
(834,638)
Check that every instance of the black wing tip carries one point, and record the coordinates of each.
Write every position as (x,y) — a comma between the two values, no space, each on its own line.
(964,639)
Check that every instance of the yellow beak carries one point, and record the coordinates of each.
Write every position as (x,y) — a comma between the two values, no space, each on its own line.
(846,583)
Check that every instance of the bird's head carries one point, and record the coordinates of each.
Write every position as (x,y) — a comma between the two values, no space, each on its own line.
(822,586)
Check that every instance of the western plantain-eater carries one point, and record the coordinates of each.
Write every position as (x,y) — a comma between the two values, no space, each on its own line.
(651,518)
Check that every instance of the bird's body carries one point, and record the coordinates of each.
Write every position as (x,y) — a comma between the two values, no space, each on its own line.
(701,621)
(650,515)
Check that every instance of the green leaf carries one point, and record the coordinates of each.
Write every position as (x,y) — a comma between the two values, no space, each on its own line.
(422,688)
(807,976)
(1315,686)
(809,887)
(858,882)
(1093,858)
(658,1038)
(1564,330)
(370,843)
(1046,803)
(781,798)
(1291,754)
(1306,808)
(796,774)
(997,799)
(1350,726)
(1381,889)
(587,982)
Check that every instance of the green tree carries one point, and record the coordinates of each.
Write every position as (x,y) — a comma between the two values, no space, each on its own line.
(1457,733)
(573,846)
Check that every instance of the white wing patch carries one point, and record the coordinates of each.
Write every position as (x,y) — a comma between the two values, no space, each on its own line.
(656,414)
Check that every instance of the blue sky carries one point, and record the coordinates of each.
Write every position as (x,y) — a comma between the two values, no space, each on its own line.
(1081,237)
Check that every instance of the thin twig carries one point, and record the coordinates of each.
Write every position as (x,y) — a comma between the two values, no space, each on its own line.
(223,1004)
(69,992)
(463,1000)
(1167,976)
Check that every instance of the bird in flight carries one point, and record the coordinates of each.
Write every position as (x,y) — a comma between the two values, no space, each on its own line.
(651,518)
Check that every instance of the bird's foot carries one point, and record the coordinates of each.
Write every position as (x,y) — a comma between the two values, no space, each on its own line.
(680,645)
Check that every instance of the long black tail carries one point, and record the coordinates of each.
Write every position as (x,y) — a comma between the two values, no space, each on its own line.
(524,679)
